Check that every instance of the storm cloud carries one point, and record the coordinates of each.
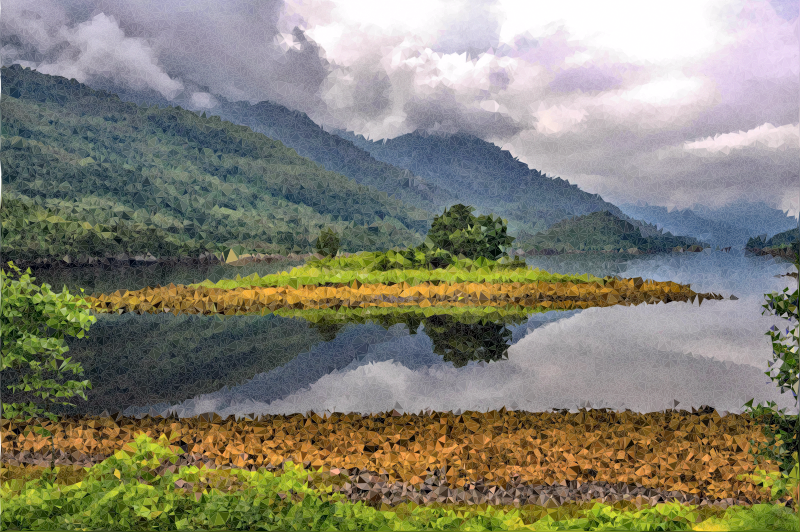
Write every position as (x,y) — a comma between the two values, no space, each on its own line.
(695,104)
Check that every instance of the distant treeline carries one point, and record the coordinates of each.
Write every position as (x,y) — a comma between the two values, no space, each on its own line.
(785,244)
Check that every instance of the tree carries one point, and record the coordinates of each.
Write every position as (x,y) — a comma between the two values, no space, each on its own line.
(458,231)
(781,430)
(328,242)
(33,323)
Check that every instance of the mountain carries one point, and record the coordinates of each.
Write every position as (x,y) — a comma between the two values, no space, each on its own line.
(297,131)
(481,174)
(601,231)
(757,217)
(431,173)
(89,171)
(687,222)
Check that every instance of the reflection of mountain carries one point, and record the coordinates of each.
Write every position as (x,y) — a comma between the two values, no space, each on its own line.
(134,360)
(349,344)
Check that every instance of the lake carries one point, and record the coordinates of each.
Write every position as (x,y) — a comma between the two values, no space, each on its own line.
(639,357)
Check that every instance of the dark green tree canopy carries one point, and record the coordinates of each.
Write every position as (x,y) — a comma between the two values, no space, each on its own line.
(328,242)
(460,232)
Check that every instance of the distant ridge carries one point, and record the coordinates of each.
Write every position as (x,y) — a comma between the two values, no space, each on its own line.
(482,174)
(603,231)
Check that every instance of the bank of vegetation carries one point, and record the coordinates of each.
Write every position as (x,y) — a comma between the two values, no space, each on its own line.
(785,244)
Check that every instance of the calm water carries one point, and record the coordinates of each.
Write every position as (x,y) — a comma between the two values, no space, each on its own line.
(642,358)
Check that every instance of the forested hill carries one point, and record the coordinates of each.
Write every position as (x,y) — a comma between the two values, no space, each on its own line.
(296,130)
(482,174)
(787,242)
(602,231)
(91,172)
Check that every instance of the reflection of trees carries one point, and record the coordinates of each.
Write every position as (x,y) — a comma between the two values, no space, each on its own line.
(457,338)
(328,330)
(459,342)
(133,359)
(145,359)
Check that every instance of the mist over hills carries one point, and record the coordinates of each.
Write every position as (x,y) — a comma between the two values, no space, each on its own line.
(297,131)
(435,173)
(479,174)
(756,217)
(731,225)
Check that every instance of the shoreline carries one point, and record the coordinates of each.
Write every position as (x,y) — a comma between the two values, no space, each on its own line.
(147,260)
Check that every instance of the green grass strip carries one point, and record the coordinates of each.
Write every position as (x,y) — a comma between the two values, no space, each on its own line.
(362,268)
(111,495)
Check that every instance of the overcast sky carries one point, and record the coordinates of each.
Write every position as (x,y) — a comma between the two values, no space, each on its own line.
(672,103)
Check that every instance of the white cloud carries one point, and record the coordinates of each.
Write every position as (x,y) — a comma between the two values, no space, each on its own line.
(203,100)
(93,50)
(766,137)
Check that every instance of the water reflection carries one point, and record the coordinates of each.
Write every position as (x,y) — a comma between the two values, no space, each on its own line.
(134,360)
(458,336)
(638,357)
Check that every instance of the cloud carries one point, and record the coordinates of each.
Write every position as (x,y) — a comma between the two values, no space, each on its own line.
(97,48)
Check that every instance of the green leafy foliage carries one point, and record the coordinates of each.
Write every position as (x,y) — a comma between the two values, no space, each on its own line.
(34,322)
(782,430)
(166,181)
(328,242)
(601,231)
(394,267)
(459,232)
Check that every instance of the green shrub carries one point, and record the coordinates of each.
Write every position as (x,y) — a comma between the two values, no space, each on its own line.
(782,431)
(33,323)
(458,232)
(327,243)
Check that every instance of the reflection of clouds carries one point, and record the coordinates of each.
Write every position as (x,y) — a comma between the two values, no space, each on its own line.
(639,357)
(354,347)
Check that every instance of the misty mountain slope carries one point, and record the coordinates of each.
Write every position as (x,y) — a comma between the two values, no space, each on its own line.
(481,174)
(168,182)
(686,222)
(297,131)
(756,218)
(601,231)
